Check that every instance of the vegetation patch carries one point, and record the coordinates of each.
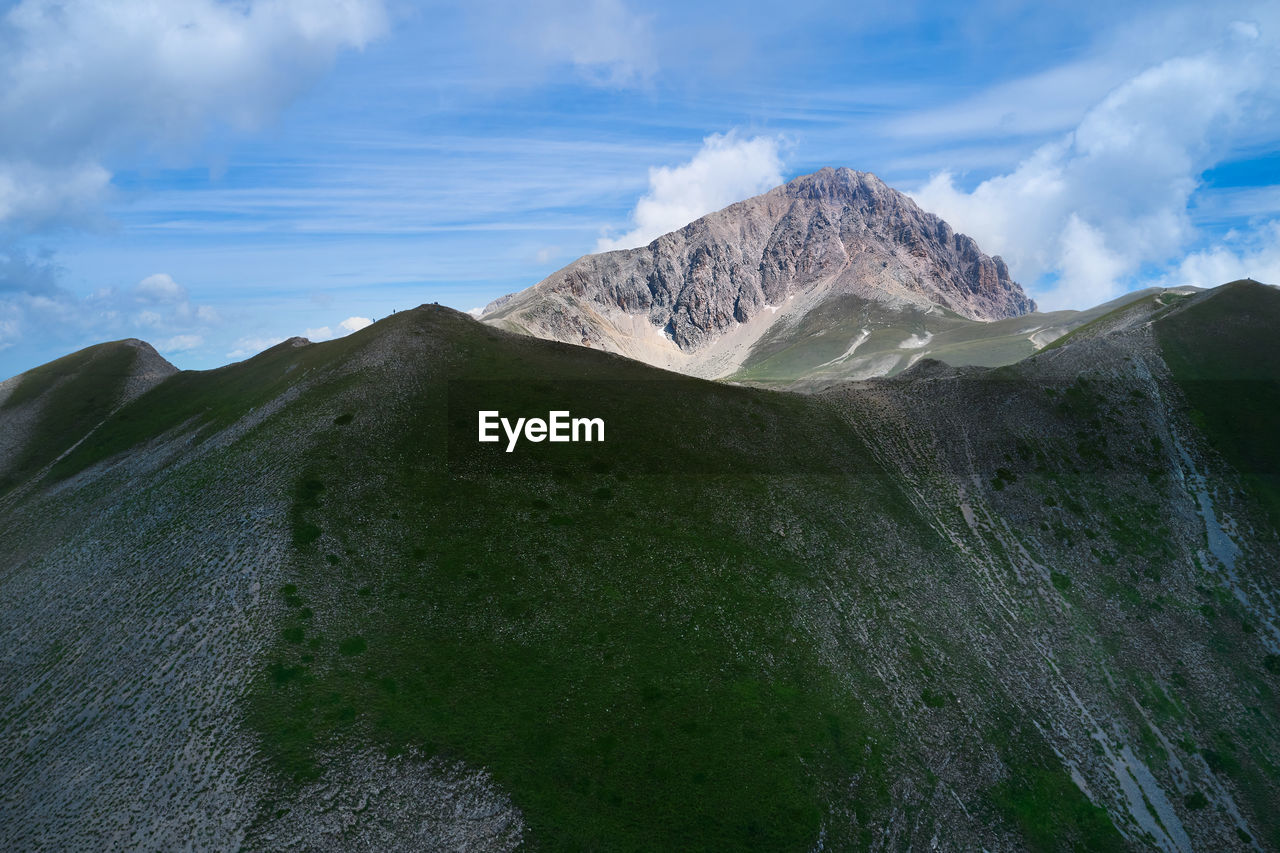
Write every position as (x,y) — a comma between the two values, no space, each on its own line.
(1045,805)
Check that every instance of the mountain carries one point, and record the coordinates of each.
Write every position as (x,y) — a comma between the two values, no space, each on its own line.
(293,603)
(698,299)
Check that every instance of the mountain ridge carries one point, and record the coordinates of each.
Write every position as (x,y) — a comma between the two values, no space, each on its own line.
(291,601)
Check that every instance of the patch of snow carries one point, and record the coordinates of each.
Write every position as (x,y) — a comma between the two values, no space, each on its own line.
(1220,544)
(1041,338)
(853,347)
(916,341)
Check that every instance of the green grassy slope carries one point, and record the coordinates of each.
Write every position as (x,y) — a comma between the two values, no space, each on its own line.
(813,349)
(204,401)
(588,621)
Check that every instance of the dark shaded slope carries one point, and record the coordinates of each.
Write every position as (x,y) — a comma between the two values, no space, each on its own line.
(1144,571)
(649,642)
(609,628)
(1223,349)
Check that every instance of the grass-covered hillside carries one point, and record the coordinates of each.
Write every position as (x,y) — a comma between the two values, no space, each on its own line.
(293,603)
(850,338)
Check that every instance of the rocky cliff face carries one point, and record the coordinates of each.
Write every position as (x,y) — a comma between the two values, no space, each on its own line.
(834,232)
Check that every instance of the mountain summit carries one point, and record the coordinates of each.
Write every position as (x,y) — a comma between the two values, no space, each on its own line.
(696,299)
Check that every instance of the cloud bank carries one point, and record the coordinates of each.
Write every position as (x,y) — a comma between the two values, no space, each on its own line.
(86,81)
(728,168)
(1089,215)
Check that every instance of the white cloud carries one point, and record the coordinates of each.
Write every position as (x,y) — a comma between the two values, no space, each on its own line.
(32,194)
(728,168)
(22,273)
(346,327)
(355,324)
(1050,101)
(167,303)
(180,343)
(33,303)
(160,287)
(250,346)
(84,81)
(1096,208)
(8,328)
(1245,29)
(1238,256)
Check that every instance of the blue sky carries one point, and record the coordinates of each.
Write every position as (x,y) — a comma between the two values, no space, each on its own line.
(216,176)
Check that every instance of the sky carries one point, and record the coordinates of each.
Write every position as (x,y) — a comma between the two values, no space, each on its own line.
(214,176)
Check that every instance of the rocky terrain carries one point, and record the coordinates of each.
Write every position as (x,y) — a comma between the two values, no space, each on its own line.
(696,300)
(291,603)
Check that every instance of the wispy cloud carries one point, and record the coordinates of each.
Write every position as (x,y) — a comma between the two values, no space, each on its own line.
(22,272)
(1050,101)
(84,80)
(605,42)
(180,343)
(251,346)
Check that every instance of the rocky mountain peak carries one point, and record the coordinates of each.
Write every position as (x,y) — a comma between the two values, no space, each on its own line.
(834,232)
(842,184)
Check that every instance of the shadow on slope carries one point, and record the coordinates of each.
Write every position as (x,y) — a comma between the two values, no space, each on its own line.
(1224,351)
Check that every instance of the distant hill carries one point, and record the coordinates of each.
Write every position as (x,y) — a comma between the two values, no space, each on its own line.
(45,411)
